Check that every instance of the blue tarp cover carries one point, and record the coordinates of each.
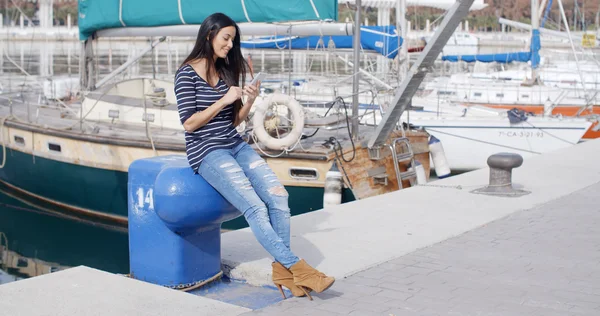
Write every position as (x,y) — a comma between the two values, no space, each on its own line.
(532,55)
(382,39)
(490,58)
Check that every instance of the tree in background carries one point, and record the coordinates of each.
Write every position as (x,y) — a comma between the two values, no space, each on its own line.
(584,11)
(62,10)
(11,13)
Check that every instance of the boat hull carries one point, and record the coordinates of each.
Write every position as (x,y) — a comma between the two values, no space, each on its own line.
(85,191)
(559,110)
(469,142)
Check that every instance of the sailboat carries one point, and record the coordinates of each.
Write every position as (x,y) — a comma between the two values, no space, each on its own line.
(58,154)
(471,134)
(555,91)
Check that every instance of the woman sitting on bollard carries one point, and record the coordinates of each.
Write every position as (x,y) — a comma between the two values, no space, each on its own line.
(208,91)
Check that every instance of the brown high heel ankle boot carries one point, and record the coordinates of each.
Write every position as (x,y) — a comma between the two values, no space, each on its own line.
(309,278)
(283,277)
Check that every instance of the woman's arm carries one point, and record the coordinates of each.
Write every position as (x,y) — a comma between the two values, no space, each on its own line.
(201,118)
(185,91)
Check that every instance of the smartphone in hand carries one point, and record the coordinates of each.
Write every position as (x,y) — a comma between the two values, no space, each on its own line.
(260,76)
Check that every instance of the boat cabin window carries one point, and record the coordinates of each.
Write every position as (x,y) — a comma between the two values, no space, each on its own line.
(113,114)
(19,140)
(22,263)
(525,96)
(477,94)
(148,116)
(304,173)
(54,147)
(499,95)
(442,92)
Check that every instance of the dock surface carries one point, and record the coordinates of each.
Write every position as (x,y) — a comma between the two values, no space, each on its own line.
(437,249)
(86,291)
(540,261)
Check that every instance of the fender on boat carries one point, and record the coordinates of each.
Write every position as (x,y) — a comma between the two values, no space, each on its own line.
(420,171)
(332,193)
(442,169)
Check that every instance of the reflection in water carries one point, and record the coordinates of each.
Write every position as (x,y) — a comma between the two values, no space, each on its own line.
(34,242)
(22,267)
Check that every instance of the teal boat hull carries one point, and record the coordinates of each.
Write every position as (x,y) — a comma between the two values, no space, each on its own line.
(94,192)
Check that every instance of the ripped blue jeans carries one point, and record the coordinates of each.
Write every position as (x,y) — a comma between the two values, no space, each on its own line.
(247,182)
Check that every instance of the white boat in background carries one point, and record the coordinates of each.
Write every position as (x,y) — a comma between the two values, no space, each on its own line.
(459,43)
(494,90)
(562,75)
(470,134)
(469,141)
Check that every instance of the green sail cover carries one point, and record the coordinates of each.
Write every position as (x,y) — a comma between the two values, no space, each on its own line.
(96,15)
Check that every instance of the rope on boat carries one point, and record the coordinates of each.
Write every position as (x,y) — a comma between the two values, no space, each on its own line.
(2,143)
(146,118)
(67,107)
(546,132)
(484,142)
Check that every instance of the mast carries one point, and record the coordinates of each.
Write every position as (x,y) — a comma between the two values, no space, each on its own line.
(356,70)
(534,45)
(417,72)
(87,69)
(401,26)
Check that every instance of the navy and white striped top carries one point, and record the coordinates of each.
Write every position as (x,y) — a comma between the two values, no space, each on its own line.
(195,94)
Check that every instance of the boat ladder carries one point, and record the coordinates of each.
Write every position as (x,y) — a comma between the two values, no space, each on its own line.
(405,155)
(402,153)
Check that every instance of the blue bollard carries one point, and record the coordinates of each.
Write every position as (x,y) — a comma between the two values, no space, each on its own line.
(175,221)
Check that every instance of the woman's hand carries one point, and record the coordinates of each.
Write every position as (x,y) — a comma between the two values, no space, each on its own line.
(232,95)
(252,91)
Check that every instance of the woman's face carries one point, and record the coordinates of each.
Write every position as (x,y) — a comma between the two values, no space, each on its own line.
(223,41)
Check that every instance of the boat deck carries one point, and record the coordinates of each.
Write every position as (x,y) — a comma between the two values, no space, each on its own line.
(58,120)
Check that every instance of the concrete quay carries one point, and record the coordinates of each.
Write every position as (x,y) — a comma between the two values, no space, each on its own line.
(436,249)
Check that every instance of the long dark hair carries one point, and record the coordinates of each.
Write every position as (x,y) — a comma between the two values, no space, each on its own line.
(230,69)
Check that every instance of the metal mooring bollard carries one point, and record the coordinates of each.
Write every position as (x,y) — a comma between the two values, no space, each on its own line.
(501,166)
(175,221)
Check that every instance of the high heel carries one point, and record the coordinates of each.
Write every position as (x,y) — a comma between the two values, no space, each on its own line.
(280,290)
(309,278)
(283,277)
(306,292)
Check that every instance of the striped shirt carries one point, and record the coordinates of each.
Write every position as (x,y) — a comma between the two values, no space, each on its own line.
(194,94)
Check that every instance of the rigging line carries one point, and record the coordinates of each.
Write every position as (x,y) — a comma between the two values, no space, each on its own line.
(550,134)
(67,107)
(262,151)
(28,64)
(32,38)
(21,11)
(562,12)
(528,141)
(482,141)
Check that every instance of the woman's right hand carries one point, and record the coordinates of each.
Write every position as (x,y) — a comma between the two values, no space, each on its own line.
(232,95)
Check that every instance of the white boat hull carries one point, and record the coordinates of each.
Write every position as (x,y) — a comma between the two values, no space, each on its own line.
(468,142)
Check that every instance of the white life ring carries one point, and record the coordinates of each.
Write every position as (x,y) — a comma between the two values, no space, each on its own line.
(260,111)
